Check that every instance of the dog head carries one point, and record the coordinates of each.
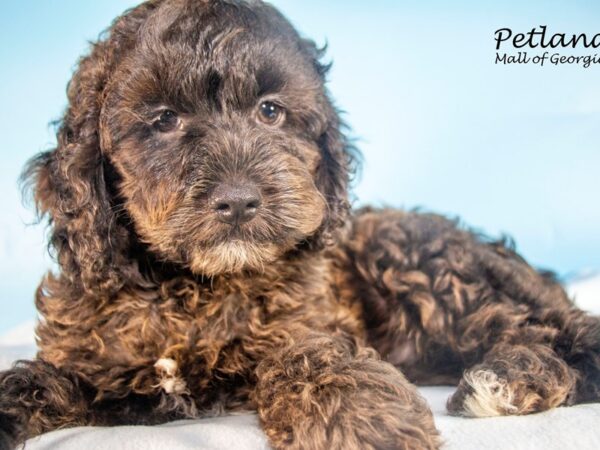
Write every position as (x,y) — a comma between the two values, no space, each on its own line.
(202,130)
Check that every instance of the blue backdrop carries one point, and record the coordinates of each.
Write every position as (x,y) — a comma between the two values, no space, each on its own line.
(508,148)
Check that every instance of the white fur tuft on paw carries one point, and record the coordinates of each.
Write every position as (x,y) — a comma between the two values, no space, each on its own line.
(491,395)
(169,381)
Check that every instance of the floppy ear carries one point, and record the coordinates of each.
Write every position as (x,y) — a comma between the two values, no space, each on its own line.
(340,159)
(339,162)
(69,182)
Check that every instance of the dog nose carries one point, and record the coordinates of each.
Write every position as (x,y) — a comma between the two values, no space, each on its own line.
(235,203)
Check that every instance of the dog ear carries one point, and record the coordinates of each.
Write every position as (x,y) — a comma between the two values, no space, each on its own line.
(333,175)
(340,159)
(69,183)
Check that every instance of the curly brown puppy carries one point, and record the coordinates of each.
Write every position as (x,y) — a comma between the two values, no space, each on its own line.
(209,262)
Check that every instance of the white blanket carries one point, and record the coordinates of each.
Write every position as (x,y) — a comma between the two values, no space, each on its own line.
(559,429)
(577,427)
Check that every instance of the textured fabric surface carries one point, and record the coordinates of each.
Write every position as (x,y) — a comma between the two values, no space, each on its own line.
(561,428)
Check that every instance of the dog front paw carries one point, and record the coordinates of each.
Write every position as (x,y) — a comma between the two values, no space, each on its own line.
(514,380)
(321,395)
(348,419)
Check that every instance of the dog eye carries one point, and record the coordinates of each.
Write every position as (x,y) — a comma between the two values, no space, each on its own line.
(270,113)
(167,121)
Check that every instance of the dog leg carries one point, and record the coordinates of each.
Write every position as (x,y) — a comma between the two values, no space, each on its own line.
(36,397)
(439,300)
(547,330)
(536,354)
(324,392)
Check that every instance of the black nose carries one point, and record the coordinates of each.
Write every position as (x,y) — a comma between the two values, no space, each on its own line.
(235,203)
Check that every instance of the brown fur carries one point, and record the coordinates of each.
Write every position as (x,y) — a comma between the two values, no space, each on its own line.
(313,317)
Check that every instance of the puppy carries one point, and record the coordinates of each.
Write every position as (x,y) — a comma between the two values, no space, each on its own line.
(209,262)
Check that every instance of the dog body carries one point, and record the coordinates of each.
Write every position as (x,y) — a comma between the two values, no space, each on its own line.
(209,261)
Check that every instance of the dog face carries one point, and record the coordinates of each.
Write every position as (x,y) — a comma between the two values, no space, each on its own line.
(222,148)
(213,131)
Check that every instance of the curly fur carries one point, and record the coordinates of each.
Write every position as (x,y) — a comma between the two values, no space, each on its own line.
(315,317)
